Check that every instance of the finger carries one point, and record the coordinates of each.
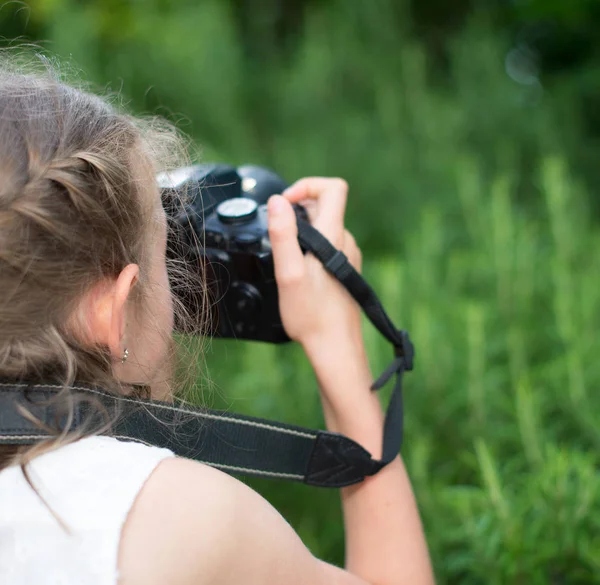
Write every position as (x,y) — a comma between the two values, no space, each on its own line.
(349,240)
(352,251)
(311,206)
(283,233)
(313,188)
(331,196)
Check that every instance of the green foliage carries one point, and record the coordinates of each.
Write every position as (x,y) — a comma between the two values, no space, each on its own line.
(477,233)
(357,97)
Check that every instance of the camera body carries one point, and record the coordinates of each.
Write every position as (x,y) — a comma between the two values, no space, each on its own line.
(218,220)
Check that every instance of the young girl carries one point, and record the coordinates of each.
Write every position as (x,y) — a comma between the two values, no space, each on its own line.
(85,297)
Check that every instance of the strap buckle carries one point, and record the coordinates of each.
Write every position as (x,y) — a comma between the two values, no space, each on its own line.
(405,350)
(338,265)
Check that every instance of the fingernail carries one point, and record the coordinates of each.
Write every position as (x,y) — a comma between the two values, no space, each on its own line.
(276,204)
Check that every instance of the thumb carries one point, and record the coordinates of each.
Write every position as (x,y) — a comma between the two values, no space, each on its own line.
(283,233)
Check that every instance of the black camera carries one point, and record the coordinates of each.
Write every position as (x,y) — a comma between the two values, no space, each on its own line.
(218,230)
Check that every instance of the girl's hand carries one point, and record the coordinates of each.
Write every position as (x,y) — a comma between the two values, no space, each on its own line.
(315,309)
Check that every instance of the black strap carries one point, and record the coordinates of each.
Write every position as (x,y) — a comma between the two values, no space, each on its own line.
(234,443)
(338,265)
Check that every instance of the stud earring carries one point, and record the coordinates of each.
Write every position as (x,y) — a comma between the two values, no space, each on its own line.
(125,356)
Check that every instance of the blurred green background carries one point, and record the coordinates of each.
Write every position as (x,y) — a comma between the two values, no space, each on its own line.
(470,136)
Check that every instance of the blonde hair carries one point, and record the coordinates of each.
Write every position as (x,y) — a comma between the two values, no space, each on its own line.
(73,210)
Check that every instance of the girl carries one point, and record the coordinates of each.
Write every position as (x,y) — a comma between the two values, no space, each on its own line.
(85,297)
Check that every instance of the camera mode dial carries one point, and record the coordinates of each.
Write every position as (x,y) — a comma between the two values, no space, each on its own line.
(237,210)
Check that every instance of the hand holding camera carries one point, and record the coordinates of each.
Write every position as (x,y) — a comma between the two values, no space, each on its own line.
(263,286)
(315,309)
(224,234)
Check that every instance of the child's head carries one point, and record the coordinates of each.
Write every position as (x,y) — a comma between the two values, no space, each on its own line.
(82,238)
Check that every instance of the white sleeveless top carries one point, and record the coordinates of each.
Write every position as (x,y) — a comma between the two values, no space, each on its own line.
(91,485)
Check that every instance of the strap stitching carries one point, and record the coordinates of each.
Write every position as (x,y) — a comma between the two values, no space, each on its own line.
(13,437)
(219,465)
(223,465)
(254,471)
(168,408)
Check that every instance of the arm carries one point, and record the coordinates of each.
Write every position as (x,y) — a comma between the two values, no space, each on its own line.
(385,544)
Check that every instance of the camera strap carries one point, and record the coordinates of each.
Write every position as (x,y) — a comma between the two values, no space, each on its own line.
(234,443)
(337,264)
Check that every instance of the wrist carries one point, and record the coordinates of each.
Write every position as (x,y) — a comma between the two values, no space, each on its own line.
(339,360)
(350,406)
(331,350)
(343,373)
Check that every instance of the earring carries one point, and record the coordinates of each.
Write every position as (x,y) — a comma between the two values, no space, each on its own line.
(125,356)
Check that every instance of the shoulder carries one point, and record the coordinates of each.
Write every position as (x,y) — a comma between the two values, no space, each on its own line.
(188,517)
(193,524)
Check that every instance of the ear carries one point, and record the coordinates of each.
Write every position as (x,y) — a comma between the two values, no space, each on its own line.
(109,310)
